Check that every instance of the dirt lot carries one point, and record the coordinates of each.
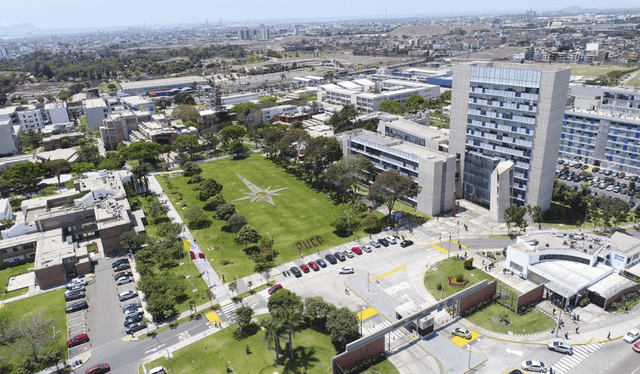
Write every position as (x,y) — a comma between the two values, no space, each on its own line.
(33,90)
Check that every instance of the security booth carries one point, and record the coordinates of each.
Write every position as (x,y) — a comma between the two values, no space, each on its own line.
(424,325)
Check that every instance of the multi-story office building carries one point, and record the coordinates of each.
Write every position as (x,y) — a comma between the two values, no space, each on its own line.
(507,112)
(413,150)
(8,139)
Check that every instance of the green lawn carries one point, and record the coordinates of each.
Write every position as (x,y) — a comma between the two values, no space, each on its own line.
(8,273)
(152,225)
(529,323)
(313,352)
(592,71)
(52,304)
(384,367)
(300,213)
(634,82)
(104,87)
(450,268)
(194,281)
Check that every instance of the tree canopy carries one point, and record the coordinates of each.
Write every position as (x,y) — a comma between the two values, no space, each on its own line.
(390,186)
(186,113)
(188,142)
(391,106)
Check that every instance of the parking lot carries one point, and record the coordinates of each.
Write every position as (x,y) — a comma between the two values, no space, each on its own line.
(617,186)
(103,321)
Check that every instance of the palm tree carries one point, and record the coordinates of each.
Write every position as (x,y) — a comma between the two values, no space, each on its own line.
(290,325)
(272,331)
(233,286)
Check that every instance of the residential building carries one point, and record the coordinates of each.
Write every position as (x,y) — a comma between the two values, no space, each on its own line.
(9,143)
(117,126)
(138,103)
(95,110)
(145,87)
(414,150)
(269,113)
(507,112)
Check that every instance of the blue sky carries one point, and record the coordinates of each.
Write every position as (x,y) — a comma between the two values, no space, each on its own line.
(65,14)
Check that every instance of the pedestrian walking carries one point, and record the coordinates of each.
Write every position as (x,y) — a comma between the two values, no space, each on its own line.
(566,335)
(482,262)
(554,311)
(609,335)
(577,330)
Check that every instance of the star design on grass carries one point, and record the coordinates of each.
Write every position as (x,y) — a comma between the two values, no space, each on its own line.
(258,193)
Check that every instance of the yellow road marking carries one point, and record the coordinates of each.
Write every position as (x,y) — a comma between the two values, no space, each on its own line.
(213,317)
(461,245)
(461,342)
(367,313)
(388,273)
(441,249)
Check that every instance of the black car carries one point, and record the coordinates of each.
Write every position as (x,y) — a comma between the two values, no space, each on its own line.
(131,306)
(79,305)
(383,241)
(132,319)
(321,263)
(123,274)
(122,267)
(136,326)
(406,243)
(331,258)
(296,271)
(119,262)
(340,256)
(73,295)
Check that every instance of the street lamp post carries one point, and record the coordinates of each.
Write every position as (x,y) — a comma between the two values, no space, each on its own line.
(449,251)
(170,363)
(368,281)
(469,356)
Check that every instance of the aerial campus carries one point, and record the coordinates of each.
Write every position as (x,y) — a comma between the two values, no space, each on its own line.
(426,194)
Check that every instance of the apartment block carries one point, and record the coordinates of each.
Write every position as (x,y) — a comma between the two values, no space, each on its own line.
(507,112)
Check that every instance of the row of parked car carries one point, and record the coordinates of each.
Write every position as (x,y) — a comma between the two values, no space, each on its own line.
(133,313)
(596,169)
(76,289)
(342,256)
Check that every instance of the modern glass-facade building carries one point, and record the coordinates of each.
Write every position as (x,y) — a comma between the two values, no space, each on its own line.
(507,112)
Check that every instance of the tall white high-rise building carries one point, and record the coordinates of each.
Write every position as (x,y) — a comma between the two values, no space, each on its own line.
(507,112)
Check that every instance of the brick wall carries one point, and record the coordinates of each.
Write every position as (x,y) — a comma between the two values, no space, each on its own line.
(350,359)
(111,238)
(477,297)
(51,276)
(530,297)
(83,268)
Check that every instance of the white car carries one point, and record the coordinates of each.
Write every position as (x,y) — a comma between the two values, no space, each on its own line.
(538,366)
(126,295)
(76,282)
(349,253)
(76,288)
(462,332)
(374,243)
(632,336)
(366,248)
(133,312)
(347,270)
(391,239)
(561,347)
(123,280)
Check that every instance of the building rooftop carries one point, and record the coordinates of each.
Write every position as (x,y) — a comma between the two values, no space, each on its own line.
(163,82)
(135,100)
(94,103)
(52,249)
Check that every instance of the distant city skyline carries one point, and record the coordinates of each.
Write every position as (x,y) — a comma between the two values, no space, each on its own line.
(72,14)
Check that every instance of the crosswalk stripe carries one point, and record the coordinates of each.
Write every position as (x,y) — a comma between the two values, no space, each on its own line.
(580,353)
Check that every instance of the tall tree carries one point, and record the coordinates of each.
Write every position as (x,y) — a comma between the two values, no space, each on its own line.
(208,188)
(248,235)
(391,186)
(272,333)
(320,153)
(233,132)
(186,113)
(391,106)
(244,314)
(29,335)
(293,142)
(342,325)
(350,171)
(188,142)
(286,307)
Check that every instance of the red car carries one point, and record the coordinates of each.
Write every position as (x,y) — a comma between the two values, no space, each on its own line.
(98,369)
(77,340)
(304,268)
(636,347)
(314,266)
(356,250)
(274,288)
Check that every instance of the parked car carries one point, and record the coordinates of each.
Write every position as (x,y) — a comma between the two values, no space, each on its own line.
(374,244)
(133,312)
(321,263)
(390,239)
(538,366)
(313,265)
(304,268)
(76,282)
(76,288)
(347,270)
(367,248)
(79,305)
(636,347)
(331,258)
(632,336)
(119,262)
(561,347)
(296,272)
(77,340)
(595,169)
(74,295)
(384,242)
(274,288)
(124,280)
(122,267)
(133,319)
(98,369)
(157,370)
(126,295)
(122,275)
(461,332)
(131,306)
(406,243)
(356,250)
(137,326)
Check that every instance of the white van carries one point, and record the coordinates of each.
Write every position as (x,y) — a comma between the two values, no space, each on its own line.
(157,370)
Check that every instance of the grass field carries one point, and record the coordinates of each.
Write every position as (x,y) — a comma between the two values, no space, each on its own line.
(313,352)
(52,304)
(591,71)
(300,213)
(634,82)
(8,273)
(529,323)
(449,268)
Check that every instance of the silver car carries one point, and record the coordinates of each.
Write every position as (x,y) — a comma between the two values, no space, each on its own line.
(561,347)
(538,366)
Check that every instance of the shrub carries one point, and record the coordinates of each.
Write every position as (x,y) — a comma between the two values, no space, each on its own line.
(459,278)
(439,287)
(584,302)
(468,264)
